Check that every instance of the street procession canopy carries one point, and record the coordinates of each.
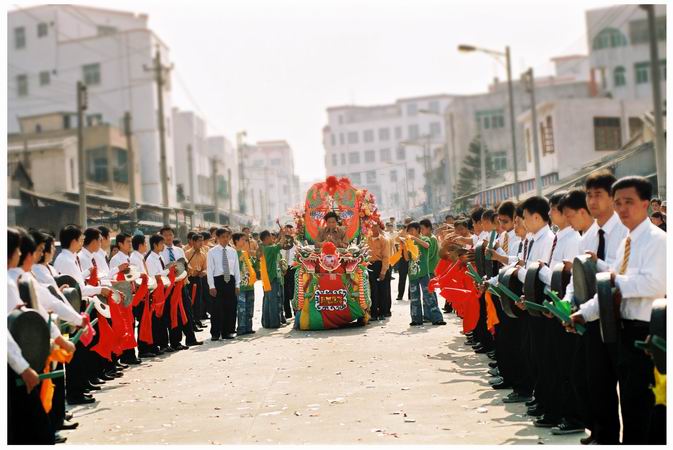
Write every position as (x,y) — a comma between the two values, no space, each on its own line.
(332,284)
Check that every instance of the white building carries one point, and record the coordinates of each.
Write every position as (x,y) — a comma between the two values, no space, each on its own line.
(51,47)
(222,149)
(269,182)
(573,132)
(386,148)
(620,51)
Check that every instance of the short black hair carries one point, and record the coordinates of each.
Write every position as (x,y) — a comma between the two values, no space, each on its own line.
(121,237)
(195,237)
(448,216)
(289,225)
(519,210)
(264,234)
(212,230)
(48,247)
(460,223)
(155,240)
(575,199)
(601,179)
(555,199)
(414,225)
(656,200)
(659,215)
(13,241)
(177,242)
(222,231)
(68,234)
(137,241)
(476,214)
(237,237)
(166,228)
(507,208)
(641,184)
(27,245)
(190,234)
(90,235)
(331,215)
(426,223)
(489,215)
(104,231)
(206,235)
(38,236)
(537,204)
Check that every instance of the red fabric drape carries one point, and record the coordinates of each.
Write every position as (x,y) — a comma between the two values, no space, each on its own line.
(176,304)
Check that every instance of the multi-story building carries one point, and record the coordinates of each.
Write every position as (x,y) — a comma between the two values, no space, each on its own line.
(52,47)
(619,50)
(222,149)
(387,148)
(270,185)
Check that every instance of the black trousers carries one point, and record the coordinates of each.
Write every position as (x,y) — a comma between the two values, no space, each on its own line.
(57,413)
(402,272)
(188,328)
(376,289)
(174,334)
(288,293)
(551,379)
(27,422)
(527,372)
(507,337)
(481,333)
(538,355)
(159,328)
(387,304)
(223,316)
(569,395)
(199,301)
(76,373)
(580,383)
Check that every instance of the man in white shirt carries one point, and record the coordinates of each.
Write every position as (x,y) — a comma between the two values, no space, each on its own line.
(287,243)
(639,272)
(137,257)
(224,281)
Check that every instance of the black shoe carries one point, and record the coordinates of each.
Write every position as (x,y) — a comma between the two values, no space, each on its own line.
(122,365)
(545,422)
(567,427)
(167,349)
(199,324)
(68,425)
(133,362)
(387,315)
(482,350)
(91,387)
(441,322)
(471,342)
(191,344)
(58,439)
(215,339)
(416,324)
(493,364)
(533,402)
(80,400)
(147,355)
(588,440)
(68,416)
(516,398)
(535,411)
(159,351)
(196,329)
(373,319)
(229,336)
(106,377)
(494,372)
(502,385)
(491,354)
(114,374)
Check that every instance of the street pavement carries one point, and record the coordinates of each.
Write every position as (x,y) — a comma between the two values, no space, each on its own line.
(386,383)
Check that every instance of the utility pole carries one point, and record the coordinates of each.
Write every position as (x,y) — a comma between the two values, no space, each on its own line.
(131,163)
(530,87)
(512,122)
(81,157)
(231,197)
(482,156)
(241,175)
(190,174)
(158,70)
(659,139)
(215,199)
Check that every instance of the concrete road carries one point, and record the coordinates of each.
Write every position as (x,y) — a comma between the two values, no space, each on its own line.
(386,383)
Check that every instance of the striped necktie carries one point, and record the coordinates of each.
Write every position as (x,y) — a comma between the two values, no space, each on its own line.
(505,243)
(225,265)
(171,255)
(553,247)
(627,253)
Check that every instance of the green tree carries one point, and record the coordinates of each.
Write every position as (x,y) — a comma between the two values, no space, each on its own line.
(469,176)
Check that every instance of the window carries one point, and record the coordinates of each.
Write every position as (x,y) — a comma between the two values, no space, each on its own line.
(499,161)
(413,131)
(19,37)
(370,156)
(400,153)
(105,30)
(548,136)
(398,133)
(435,129)
(335,159)
(639,30)
(384,134)
(343,159)
(384,154)
(491,119)
(120,173)
(393,176)
(412,109)
(642,73)
(341,139)
(368,136)
(620,76)
(353,158)
(607,133)
(44,78)
(352,137)
(333,139)
(42,29)
(635,126)
(434,106)
(97,165)
(411,173)
(487,122)
(355,178)
(91,74)
(609,38)
(94,119)
(22,85)
(371,176)
(501,121)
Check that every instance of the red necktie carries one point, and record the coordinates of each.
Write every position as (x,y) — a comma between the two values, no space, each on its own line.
(553,247)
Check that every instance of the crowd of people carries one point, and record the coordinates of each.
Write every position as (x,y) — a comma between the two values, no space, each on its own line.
(567,381)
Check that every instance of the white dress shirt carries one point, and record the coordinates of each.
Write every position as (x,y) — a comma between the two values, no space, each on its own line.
(477,238)
(215,268)
(15,358)
(104,271)
(539,248)
(66,264)
(567,247)
(117,260)
(645,277)
(289,255)
(60,306)
(615,232)
(138,261)
(18,273)
(177,253)
(156,265)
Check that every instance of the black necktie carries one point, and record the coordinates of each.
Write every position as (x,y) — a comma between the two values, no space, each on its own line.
(601,244)
(520,247)
(530,247)
(161,260)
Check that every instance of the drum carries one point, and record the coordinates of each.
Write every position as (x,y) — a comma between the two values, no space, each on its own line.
(27,292)
(533,288)
(508,279)
(123,287)
(31,333)
(608,305)
(74,299)
(560,278)
(480,258)
(584,278)
(658,329)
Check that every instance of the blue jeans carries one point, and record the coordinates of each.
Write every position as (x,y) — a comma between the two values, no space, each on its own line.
(428,307)
(272,306)
(246,307)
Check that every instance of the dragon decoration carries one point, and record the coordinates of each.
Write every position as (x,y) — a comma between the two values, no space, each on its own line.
(332,285)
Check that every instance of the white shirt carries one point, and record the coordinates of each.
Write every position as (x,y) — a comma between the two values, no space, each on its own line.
(18,273)
(645,277)
(60,306)
(117,260)
(104,271)
(215,268)
(567,247)
(177,253)
(480,237)
(66,264)
(539,248)
(15,358)
(289,255)
(138,261)
(156,265)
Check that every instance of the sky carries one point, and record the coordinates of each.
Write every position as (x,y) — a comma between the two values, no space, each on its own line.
(272,68)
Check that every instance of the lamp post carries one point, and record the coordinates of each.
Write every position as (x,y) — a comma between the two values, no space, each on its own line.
(508,65)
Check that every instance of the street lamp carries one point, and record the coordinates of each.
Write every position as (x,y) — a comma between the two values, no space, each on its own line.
(506,54)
